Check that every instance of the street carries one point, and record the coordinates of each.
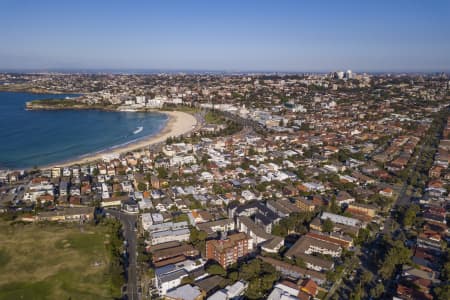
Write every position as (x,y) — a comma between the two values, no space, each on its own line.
(129,224)
(402,198)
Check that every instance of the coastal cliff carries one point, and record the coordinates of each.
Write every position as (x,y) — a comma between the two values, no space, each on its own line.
(74,104)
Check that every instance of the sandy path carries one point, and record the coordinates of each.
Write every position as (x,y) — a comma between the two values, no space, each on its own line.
(179,123)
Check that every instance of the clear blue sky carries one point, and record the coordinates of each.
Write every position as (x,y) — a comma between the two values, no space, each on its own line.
(283,35)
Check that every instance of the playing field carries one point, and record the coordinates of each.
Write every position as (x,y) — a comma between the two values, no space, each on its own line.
(55,261)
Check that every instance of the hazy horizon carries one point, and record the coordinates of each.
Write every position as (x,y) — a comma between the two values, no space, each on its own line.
(200,71)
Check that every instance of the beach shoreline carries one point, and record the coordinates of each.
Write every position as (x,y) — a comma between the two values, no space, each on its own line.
(178,123)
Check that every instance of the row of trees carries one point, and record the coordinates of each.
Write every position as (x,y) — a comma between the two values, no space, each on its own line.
(260,275)
(395,255)
(409,214)
(116,258)
(198,239)
(442,291)
(295,222)
(418,176)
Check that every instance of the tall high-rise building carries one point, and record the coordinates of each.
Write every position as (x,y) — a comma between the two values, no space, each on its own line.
(349,74)
(339,75)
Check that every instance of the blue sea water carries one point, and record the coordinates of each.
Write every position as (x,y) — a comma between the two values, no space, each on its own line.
(36,138)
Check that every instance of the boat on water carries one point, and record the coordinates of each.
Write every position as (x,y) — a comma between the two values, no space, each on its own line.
(139,129)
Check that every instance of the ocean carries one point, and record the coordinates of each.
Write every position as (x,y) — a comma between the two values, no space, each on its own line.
(39,138)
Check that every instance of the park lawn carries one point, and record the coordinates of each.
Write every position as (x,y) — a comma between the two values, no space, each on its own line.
(213,118)
(55,261)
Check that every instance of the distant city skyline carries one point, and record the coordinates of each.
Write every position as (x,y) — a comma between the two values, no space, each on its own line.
(233,36)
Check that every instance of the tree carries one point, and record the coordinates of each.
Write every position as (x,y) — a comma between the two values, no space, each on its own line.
(260,276)
(343,155)
(187,280)
(249,270)
(294,222)
(234,276)
(377,291)
(174,176)
(445,272)
(334,208)
(197,235)
(332,276)
(195,204)
(442,292)
(300,262)
(218,189)
(398,254)
(205,159)
(252,151)
(162,172)
(327,226)
(143,256)
(254,290)
(410,215)
(300,174)
(261,187)
(363,236)
(115,248)
(366,277)
(356,295)
(216,269)
(142,186)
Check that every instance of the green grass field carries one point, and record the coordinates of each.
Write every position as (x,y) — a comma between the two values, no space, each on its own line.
(213,118)
(55,261)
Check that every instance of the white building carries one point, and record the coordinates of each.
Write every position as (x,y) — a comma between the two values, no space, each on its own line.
(179,235)
(184,292)
(168,232)
(349,74)
(146,221)
(182,160)
(170,276)
(283,292)
(140,99)
(157,218)
(127,187)
(340,219)
(248,195)
(66,172)
(207,176)
(105,191)
(37,190)
(231,291)
(156,102)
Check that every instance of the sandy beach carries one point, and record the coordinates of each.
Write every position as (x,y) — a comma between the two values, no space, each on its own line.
(179,123)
